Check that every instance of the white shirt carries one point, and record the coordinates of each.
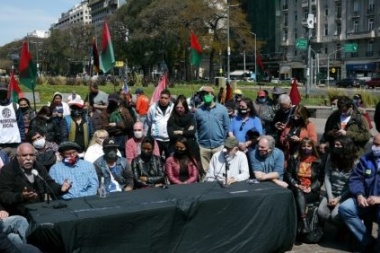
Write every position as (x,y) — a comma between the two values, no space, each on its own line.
(94,152)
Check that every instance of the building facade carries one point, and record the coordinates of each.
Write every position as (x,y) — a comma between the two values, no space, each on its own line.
(336,23)
(79,14)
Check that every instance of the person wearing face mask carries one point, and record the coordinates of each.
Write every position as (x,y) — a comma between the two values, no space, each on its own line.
(237,164)
(265,111)
(115,170)
(238,96)
(46,151)
(231,109)
(359,105)
(58,108)
(364,185)
(267,161)
(27,112)
(304,178)
(182,166)
(148,168)
(282,116)
(298,128)
(133,145)
(338,167)
(346,121)
(95,149)
(12,123)
(245,121)
(79,173)
(212,123)
(76,126)
(44,121)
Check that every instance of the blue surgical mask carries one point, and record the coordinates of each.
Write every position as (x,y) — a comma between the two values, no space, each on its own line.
(355,101)
(376,151)
(261,100)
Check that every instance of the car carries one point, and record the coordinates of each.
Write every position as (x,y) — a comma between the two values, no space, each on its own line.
(372,84)
(349,82)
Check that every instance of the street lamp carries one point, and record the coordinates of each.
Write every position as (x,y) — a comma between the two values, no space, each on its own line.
(254,34)
(228,37)
(328,65)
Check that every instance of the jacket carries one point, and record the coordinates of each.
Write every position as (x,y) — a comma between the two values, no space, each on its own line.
(172,168)
(364,179)
(152,169)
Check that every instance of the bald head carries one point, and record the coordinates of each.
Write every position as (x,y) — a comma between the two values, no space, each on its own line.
(138,130)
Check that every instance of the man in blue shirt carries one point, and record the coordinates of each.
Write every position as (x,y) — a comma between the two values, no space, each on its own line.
(212,126)
(80,173)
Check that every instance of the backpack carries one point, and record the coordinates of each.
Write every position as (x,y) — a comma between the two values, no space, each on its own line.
(316,230)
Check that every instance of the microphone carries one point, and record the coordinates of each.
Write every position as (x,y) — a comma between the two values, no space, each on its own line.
(48,190)
(227,165)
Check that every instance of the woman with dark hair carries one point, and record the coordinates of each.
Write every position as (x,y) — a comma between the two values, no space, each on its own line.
(27,112)
(44,122)
(181,123)
(298,127)
(58,108)
(147,168)
(338,168)
(245,120)
(182,167)
(303,177)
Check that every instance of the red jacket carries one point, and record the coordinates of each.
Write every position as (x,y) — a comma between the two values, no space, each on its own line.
(172,171)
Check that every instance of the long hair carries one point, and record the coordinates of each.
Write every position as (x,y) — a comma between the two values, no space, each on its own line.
(310,142)
(44,111)
(189,152)
(252,110)
(181,99)
(302,112)
(346,160)
(96,135)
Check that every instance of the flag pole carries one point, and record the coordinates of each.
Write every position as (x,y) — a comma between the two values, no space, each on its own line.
(34,95)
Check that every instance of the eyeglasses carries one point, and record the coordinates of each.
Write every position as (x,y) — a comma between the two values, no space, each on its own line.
(241,126)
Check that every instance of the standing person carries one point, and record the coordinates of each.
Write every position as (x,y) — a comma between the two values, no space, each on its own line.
(282,116)
(44,121)
(182,166)
(58,108)
(212,126)
(27,112)
(157,121)
(12,130)
(264,109)
(115,170)
(303,177)
(182,124)
(238,96)
(364,184)
(80,173)
(338,167)
(376,117)
(142,104)
(19,187)
(245,121)
(360,106)
(148,168)
(97,99)
(231,109)
(133,145)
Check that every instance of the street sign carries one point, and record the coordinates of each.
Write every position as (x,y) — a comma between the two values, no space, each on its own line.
(119,64)
(350,47)
(301,44)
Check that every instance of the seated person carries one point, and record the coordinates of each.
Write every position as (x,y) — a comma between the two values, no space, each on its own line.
(234,158)
(181,167)
(46,151)
(302,175)
(267,161)
(14,226)
(18,185)
(81,174)
(147,168)
(95,150)
(364,186)
(115,170)
(4,159)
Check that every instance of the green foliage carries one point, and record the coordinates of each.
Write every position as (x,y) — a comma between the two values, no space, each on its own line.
(369,99)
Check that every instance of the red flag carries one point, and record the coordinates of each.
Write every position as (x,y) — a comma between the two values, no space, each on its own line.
(27,68)
(162,84)
(294,93)
(95,56)
(195,50)
(259,62)
(14,91)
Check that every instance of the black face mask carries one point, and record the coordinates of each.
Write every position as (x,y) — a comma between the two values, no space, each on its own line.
(243,111)
(76,113)
(180,153)
(337,151)
(24,109)
(110,154)
(146,155)
(296,122)
(3,95)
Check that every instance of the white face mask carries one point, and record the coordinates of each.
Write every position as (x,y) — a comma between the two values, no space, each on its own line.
(39,144)
(138,134)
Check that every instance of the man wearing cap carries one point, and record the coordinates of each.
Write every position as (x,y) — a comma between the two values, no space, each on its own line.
(19,186)
(142,104)
(11,123)
(264,109)
(238,95)
(81,174)
(157,120)
(212,126)
(232,158)
(115,170)
(76,127)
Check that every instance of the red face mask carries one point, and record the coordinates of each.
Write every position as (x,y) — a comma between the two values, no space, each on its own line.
(70,160)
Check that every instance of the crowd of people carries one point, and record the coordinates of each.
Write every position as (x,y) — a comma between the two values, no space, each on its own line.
(127,144)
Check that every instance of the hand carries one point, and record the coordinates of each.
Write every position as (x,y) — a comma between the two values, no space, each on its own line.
(281,183)
(333,202)
(261,176)
(373,200)
(144,178)
(362,202)
(28,195)
(295,138)
(231,180)
(322,148)
(3,214)
(113,124)
(66,185)
(341,132)
(306,189)
(280,126)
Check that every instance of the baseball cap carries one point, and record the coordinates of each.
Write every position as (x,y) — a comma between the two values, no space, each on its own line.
(110,143)
(139,91)
(231,142)
(207,89)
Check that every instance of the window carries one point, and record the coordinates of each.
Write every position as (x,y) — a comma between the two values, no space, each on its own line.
(338,10)
(295,16)
(338,29)
(371,5)
(370,24)
(326,50)
(356,5)
(326,12)
(295,33)
(285,37)
(326,30)
(370,47)
(356,26)
(285,21)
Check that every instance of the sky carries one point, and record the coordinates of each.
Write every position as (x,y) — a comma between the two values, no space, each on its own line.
(19,17)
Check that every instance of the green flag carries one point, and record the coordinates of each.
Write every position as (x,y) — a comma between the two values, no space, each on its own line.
(27,68)
(195,50)
(107,58)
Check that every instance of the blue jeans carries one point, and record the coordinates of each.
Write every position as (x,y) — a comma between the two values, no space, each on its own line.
(15,228)
(353,216)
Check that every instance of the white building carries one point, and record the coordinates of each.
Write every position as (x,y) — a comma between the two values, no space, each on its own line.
(79,14)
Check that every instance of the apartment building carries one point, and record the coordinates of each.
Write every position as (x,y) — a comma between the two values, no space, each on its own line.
(336,22)
(79,14)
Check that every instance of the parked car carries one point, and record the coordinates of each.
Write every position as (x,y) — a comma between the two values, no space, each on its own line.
(374,83)
(349,82)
